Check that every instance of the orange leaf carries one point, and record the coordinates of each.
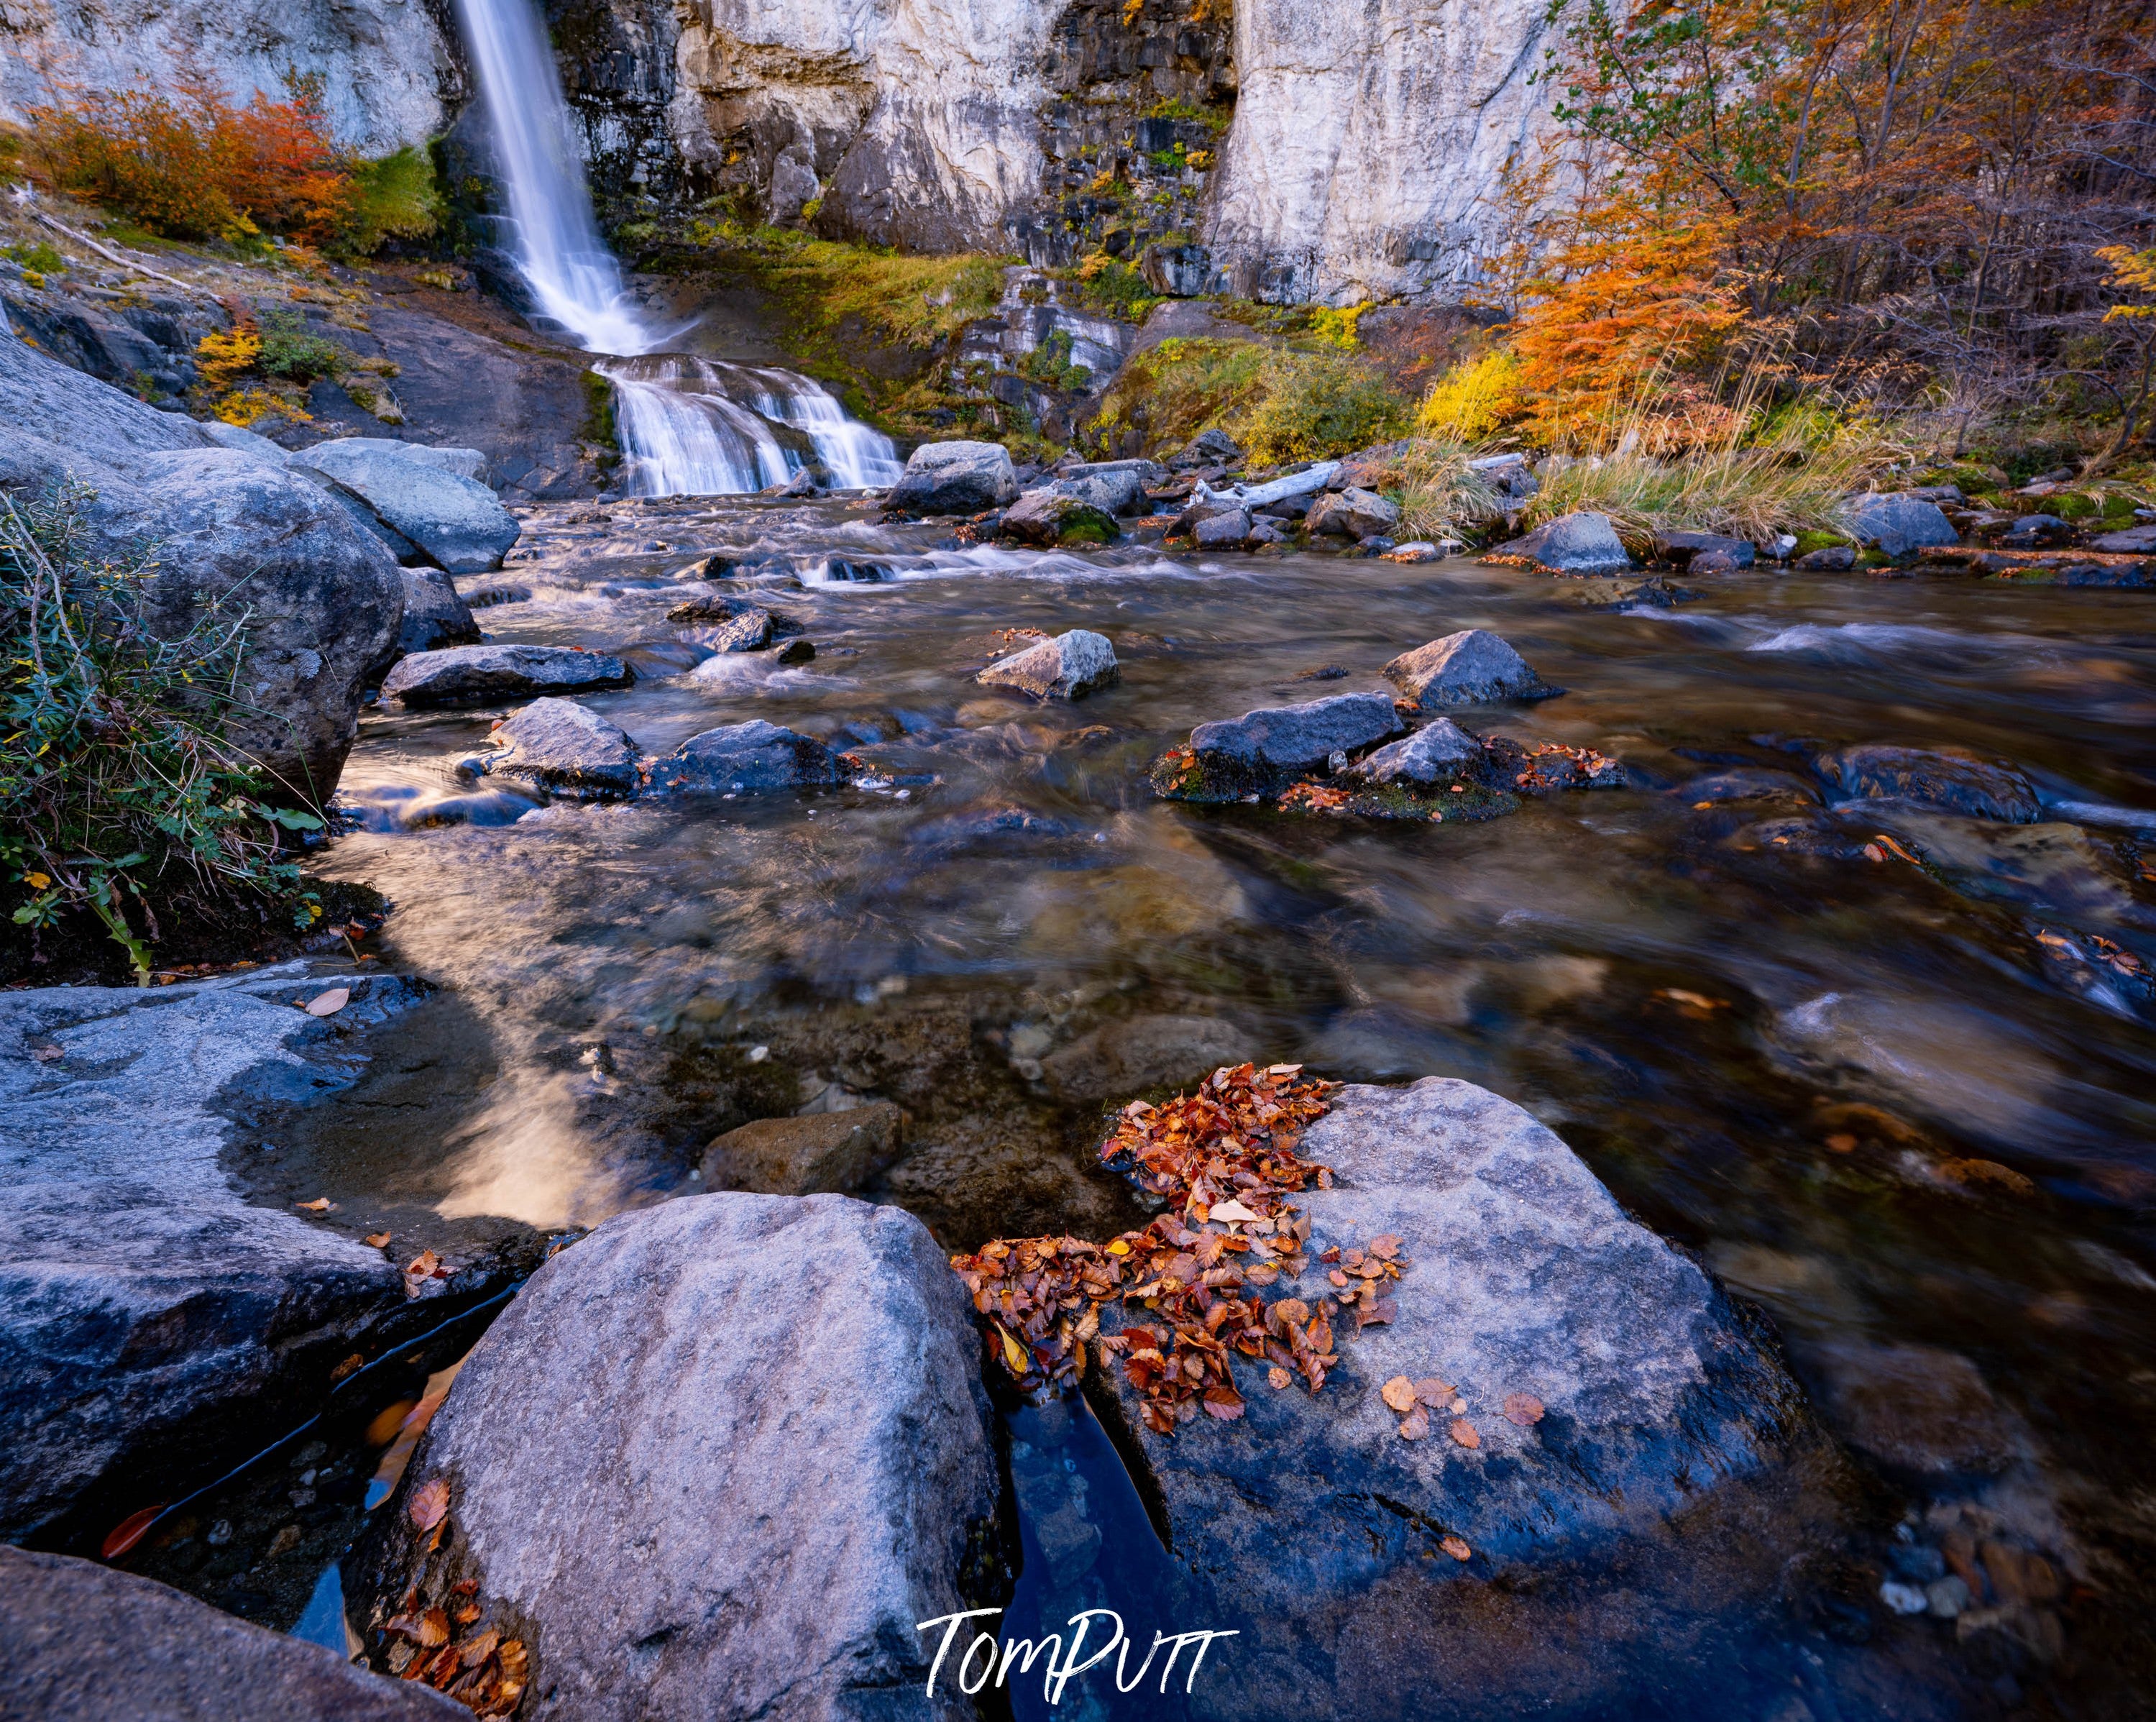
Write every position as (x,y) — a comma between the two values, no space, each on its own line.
(1398,1393)
(1456,1547)
(1523,1409)
(1463,1432)
(125,1534)
(428,1503)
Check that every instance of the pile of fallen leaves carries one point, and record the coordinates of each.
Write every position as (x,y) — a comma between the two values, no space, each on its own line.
(446,1645)
(1223,1160)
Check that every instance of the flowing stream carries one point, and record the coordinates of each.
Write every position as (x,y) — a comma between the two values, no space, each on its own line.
(689,426)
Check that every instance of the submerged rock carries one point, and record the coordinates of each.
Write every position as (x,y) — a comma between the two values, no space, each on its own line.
(820,1154)
(82,1642)
(1439,752)
(569,749)
(1948,780)
(1828,559)
(1067,667)
(434,616)
(1054,515)
(954,478)
(1352,513)
(1570,544)
(1896,523)
(1474,667)
(717,1460)
(1133,1053)
(740,758)
(1596,1382)
(1262,750)
(469,675)
(147,1310)
(455,520)
(1685,549)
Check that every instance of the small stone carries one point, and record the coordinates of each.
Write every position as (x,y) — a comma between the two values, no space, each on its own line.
(1227,531)
(1947,1597)
(954,478)
(467,675)
(831,1151)
(1352,513)
(1571,544)
(1903,1599)
(748,632)
(1470,668)
(1067,667)
(1831,559)
(1437,752)
(563,746)
(796,651)
(1896,522)
(741,758)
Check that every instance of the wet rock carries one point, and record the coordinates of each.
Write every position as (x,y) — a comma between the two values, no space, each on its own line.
(562,746)
(469,675)
(2134,541)
(1116,489)
(954,478)
(1745,783)
(1474,667)
(147,1310)
(855,571)
(716,1459)
(459,522)
(1352,513)
(1829,559)
(434,616)
(747,630)
(1056,515)
(1915,1408)
(1261,749)
(740,758)
(82,1642)
(1570,544)
(1896,523)
(822,1153)
(1227,530)
(1311,1525)
(1717,562)
(1263,533)
(1067,667)
(1960,784)
(1438,752)
(1682,549)
(1208,448)
(1418,550)
(797,651)
(1135,1053)
(2034,532)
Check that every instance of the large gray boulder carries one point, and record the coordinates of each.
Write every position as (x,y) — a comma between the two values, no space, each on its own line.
(465,463)
(745,759)
(1279,740)
(1474,667)
(1895,524)
(1112,486)
(1975,787)
(322,598)
(1064,668)
(954,478)
(559,745)
(1570,544)
(144,1304)
(456,521)
(467,675)
(1059,514)
(81,1643)
(718,1459)
(1352,513)
(1313,1526)
(1438,752)
(434,616)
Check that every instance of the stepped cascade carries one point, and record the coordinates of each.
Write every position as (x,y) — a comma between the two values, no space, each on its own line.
(689,426)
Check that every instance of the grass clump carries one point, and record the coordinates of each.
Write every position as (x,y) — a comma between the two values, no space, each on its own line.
(1110,286)
(825,284)
(395,197)
(1170,392)
(120,792)
(1314,405)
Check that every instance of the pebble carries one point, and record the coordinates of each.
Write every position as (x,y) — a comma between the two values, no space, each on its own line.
(1903,1599)
(1947,1597)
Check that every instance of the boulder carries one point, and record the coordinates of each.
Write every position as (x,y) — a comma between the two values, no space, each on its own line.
(740,758)
(1570,544)
(1682,549)
(1228,530)
(1352,514)
(470,675)
(1067,667)
(1829,559)
(147,1312)
(559,745)
(1439,752)
(816,1154)
(246,441)
(717,1459)
(1208,448)
(954,478)
(1602,1383)
(458,522)
(1054,515)
(1896,523)
(82,1642)
(2134,541)
(1262,749)
(1955,782)
(747,630)
(1474,667)
(434,616)
(323,597)
(465,463)
(1114,487)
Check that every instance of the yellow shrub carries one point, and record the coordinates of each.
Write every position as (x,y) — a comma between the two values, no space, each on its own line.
(1337,328)
(251,406)
(1472,399)
(221,360)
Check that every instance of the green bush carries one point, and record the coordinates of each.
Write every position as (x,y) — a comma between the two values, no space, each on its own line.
(1319,404)
(393,198)
(1171,392)
(290,351)
(40,259)
(119,791)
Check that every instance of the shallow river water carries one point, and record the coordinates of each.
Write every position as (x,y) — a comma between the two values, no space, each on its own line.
(1908,1110)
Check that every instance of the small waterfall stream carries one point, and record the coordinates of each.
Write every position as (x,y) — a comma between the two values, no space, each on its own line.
(689,426)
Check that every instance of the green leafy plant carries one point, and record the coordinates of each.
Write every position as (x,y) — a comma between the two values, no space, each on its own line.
(394,197)
(289,351)
(1319,404)
(119,788)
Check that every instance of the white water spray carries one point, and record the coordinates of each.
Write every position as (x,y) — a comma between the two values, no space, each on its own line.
(683,429)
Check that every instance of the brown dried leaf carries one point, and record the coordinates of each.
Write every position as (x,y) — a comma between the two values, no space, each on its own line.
(1463,1432)
(1385,1247)
(1277,1377)
(433,1629)
(1456,1546)
(377,1240)
(1415,1425)
(1398,1393)
(321,1204)
(428,1503)
(1434,1393)
(1523,1409)
(477,1648)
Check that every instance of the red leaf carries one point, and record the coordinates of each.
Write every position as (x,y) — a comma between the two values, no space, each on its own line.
(125,1534)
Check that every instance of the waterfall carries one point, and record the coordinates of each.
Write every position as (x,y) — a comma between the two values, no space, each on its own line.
(683,430)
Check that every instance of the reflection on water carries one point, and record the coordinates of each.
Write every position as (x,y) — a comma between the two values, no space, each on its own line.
(1007,931)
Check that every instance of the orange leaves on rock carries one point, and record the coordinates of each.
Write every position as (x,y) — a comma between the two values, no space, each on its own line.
(1312,797)
(428,1503)
(1435,1393)
(1398,1393)
(1276,1377)
(1415,1425)
(1523,1409)
(1463,1432)
(1456,1547)
(377,1240)
(321,1204)
(1234,1140)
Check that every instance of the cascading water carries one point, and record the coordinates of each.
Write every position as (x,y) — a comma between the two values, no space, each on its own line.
(684,431)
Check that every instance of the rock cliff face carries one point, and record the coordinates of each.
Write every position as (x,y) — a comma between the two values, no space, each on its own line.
(389,75)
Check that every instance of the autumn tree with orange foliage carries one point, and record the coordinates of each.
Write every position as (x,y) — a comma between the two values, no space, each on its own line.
(193,164)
